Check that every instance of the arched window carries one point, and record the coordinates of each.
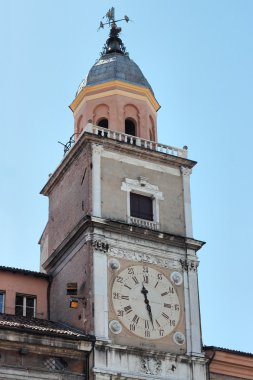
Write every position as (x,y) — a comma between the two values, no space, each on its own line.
(103,123)
(130,127)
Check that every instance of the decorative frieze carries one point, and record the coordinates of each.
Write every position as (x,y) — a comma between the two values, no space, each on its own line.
(151,365)
(142,257)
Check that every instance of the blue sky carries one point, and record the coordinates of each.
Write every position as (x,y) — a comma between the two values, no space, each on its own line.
(198,57)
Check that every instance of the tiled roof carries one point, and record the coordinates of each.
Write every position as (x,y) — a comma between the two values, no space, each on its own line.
(114,66)
(24,271)
(42,327)
(229,351)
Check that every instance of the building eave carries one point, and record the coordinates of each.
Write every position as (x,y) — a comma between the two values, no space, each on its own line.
(110,88)
(115,145)
(24,272)
(84,230)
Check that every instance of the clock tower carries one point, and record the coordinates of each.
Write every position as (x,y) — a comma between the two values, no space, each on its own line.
(119,238)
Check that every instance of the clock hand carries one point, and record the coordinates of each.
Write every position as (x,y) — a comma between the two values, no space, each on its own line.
(145,292)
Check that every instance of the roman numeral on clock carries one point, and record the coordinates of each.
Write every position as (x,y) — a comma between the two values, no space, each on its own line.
(125,297)
(128,309)
(135,280)
(135,319)
(165,316)
(171,290)
(145,279)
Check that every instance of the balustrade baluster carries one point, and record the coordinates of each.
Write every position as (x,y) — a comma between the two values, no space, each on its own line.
(148,144)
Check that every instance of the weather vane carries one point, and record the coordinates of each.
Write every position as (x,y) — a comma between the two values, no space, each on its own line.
(110,16)
(113,44)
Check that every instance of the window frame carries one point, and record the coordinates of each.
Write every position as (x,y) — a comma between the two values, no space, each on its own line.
(2,292)
(138,210)
(24,306)
(141,186)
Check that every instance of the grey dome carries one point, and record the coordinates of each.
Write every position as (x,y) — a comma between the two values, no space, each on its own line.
(114,66)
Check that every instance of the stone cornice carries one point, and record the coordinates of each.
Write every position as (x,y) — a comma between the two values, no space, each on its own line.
(87,224)
(101,344)
(116,146)
(115,87)
(71,240)
(148,234)
(13,339)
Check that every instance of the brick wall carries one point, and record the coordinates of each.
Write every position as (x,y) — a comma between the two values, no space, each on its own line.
(70,199)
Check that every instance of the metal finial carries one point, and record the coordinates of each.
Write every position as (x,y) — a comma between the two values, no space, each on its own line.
(113,44)
(110,16)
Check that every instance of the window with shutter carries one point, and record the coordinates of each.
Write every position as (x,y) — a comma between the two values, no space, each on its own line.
(141,206)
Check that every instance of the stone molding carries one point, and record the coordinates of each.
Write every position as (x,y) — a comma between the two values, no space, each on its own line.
(185,171)
(189,265)
(150,365)
(141,257)
(97,148)
(141,185)
(100,245)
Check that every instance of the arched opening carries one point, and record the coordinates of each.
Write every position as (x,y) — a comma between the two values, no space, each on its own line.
(103,123)
(130,127)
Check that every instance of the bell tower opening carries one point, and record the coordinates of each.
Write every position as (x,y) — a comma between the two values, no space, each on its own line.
(130,128)
(103,123)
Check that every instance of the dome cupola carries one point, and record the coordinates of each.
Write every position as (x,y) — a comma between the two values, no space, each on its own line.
(114,64)
(115,94)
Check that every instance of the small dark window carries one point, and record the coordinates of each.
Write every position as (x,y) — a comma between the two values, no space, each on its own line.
(72,289)
(130,127)
(1,302)
(56,364)
(25,305)
(103,123)
(141,206)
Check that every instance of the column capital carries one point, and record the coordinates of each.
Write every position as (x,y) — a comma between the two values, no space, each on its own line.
(185,171)
(189,265)
(100,245)
(97,149)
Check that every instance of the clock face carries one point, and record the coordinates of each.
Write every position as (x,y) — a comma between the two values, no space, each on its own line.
(145,302)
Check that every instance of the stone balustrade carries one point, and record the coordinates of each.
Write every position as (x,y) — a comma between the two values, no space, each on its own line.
(134,140)
(144,223)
